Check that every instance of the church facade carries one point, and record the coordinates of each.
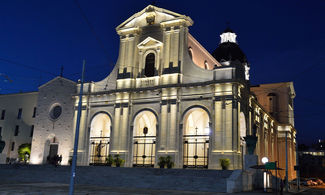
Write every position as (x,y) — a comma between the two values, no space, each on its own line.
(167,96)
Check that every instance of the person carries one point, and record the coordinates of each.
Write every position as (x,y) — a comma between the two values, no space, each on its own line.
(60,159)
(281,186)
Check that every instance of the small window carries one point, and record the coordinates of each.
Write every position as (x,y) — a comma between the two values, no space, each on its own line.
(12,146)
(16,130)
(206,65)
(149,70)
(0,131)
(55,112)
(3,113)
(291,102)
(34,112)
(20,111)
(31,131)
(190,53)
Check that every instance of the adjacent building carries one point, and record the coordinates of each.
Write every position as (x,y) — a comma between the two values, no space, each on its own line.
(17,122)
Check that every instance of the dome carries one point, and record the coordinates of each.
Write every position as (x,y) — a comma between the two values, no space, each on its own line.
(229,51)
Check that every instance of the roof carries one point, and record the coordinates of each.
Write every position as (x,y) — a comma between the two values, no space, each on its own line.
(58,77)
(20,93)
(228,30)
(161,15)
(229,51)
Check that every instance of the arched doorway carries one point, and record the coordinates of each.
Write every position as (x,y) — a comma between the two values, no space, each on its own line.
(51,149)
(196,133)
(144,139)
(100,131)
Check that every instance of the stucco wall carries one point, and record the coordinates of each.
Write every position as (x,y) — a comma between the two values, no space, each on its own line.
(11,104)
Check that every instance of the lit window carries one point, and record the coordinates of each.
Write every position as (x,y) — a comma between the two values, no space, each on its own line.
(149,69)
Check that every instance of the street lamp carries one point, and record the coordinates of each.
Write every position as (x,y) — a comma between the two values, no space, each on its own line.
(265,160)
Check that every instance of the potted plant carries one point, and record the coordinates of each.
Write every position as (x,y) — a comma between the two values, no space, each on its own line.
(169,162)
(118,161)
(109,160)
(162,162)
(24,152)
(224,162)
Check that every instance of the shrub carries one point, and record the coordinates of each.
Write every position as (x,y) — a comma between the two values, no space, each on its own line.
(109,160)
(224,162)
(118,161)
(162,162)
(169,162)
(24,152)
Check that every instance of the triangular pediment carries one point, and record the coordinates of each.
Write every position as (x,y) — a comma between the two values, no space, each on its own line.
(149,42)
(160,15)
(55,79)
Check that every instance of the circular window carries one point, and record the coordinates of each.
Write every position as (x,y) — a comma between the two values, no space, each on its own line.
(56,112)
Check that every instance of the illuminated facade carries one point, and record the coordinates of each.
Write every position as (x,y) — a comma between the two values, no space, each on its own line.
(17,119)
(166,96)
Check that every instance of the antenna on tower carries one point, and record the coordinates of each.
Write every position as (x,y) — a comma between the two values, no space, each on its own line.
(154,3)
(61,73)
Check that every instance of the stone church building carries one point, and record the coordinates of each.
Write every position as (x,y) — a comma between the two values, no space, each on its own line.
(166,96)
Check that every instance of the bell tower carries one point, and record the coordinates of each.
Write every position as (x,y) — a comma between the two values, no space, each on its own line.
(152,46)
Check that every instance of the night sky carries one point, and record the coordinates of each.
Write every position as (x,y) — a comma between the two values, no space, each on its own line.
(283,41)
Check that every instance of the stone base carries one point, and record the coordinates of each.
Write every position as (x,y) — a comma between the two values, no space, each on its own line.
(250,160)
(3,158)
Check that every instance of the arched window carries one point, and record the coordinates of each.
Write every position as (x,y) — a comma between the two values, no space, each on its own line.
(272,104)
(206,65)
(190,52)
(149,70)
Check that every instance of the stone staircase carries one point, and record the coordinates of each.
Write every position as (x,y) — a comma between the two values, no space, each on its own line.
(165,179)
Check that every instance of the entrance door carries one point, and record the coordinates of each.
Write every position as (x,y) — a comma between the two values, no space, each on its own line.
(196,133)
(53,150)
(100,130)
(99,150)
(196,150)
(144,139)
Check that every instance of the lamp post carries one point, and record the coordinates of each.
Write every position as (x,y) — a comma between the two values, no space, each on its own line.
(76,140)
(145,132)
(265,176)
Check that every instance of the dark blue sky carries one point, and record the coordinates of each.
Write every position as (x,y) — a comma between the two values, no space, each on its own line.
(283,41)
